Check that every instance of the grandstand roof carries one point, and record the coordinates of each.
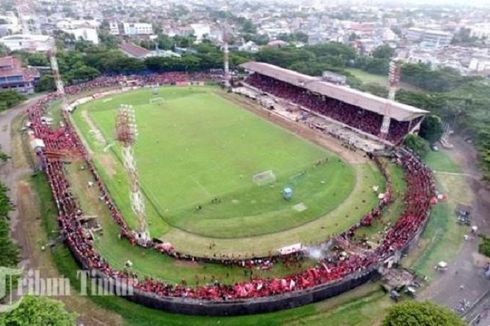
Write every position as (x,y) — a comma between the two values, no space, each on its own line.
(366,101)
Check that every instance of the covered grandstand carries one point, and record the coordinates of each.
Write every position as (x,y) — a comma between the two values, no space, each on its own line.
(376,117)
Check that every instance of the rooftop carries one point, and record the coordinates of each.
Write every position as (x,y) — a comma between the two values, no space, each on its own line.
(133,50)
(366,101)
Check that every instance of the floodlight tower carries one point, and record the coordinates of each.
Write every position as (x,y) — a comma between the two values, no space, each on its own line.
(126,133)
(226,54)
(394,80)
(57,77)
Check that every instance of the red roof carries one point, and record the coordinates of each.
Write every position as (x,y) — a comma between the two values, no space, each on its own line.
(11,66)
(133,50)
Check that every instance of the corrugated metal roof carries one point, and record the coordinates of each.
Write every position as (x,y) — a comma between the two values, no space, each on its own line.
(366,101)
(134,50)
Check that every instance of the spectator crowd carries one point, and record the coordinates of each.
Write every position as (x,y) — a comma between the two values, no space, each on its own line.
(351,115)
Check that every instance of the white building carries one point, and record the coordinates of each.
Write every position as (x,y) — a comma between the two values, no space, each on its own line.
(480,64)
(250,46)
(435,38)
(28,42)
(80,29)
(480,30)
(429,37)
(201,31)
(137,29)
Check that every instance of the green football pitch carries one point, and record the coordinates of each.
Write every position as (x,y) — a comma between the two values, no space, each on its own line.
(197,154)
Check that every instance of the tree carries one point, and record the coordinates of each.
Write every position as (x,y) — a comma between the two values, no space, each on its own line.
(375,89)
(38,311)
(484,246)
(373,65)
(383,52)
(45,83)
(417,144)
(431,128)
(37,59)
(353,36)
(9,99)
(81,73)
(412,313)
(3,50)
(248,27)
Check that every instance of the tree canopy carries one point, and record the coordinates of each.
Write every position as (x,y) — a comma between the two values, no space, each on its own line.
(9,99)
(412,313)
(383,52)
(417,144)
(431,128)
(38,311)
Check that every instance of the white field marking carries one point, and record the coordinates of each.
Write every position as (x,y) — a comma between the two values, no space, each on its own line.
(93,128)
(300,207)
(200,186)
(457,174)
(107,147)
(107,100)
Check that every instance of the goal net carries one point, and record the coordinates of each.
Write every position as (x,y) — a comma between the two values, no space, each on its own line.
(156,100)
(264,178)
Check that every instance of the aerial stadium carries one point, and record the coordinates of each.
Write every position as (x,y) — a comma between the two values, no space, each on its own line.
(269,191)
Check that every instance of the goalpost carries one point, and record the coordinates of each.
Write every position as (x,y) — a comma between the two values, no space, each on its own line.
(157,100)
(264,178)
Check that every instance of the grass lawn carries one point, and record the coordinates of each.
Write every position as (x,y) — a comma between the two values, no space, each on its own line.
(198,146)
(381,80)
(442,237)
(366,77)
(393,211)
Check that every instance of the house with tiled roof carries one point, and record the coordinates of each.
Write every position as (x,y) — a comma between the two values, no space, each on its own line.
(14,76)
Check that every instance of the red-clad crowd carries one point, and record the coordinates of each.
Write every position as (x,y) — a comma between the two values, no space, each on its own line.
(364,120)
(419,194)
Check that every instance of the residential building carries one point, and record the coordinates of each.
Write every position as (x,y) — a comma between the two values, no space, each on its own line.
(480,30)
(137,29)
(80,29)
(14,76)
(435,38)
(134,51)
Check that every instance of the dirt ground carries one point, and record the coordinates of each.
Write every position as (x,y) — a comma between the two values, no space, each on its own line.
(465,280)
(27,230)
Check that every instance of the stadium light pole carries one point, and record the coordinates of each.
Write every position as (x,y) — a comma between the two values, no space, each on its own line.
(126,133)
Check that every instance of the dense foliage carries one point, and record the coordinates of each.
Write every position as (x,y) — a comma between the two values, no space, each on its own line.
(9,99)
(484,246)
(417,144)
(9,256)
(438,80)
(431,128)
(38,311)
(412,313)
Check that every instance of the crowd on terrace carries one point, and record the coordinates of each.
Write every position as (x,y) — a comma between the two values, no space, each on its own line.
(419,196)
(351,115)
